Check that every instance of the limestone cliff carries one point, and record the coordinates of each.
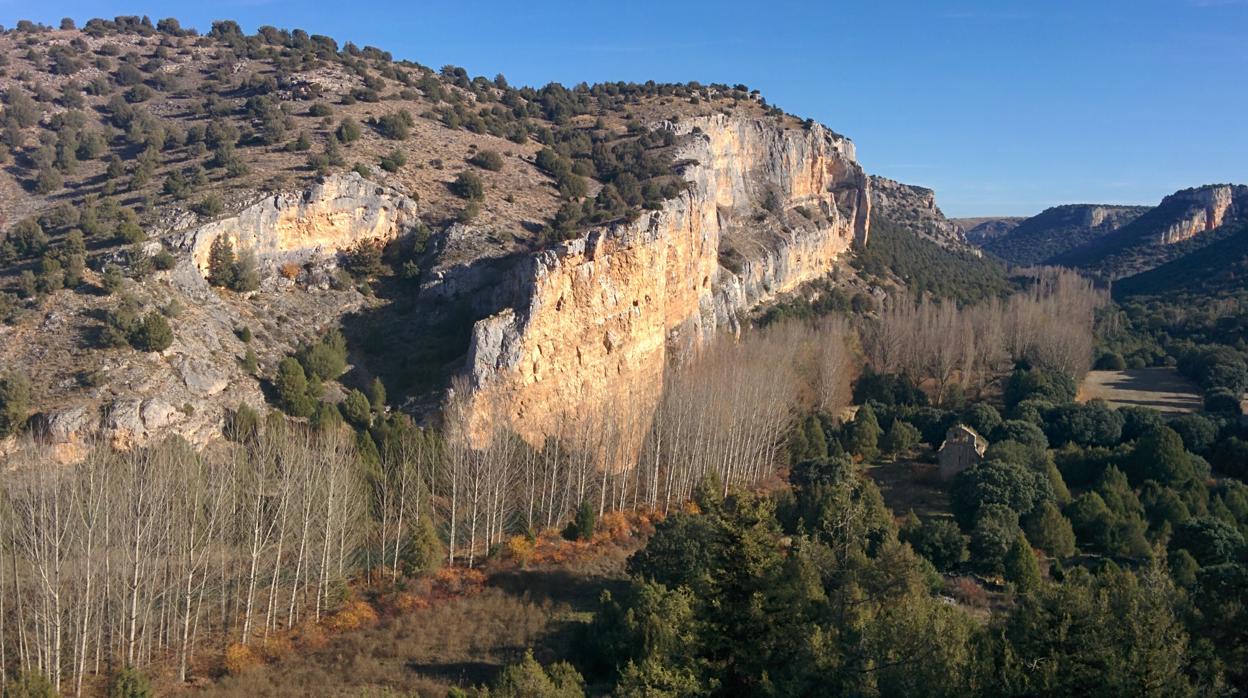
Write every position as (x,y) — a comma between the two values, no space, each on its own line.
(1203,209)
(332,215)
(598,318)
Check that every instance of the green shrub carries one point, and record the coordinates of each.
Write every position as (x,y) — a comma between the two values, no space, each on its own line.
(582,526)
(112,279)
(14,403)
(468,186)
(152,334)
(129,683)
(393,161)
(326,358)
(487,160)
(291,385)
(348,130)
(357,410)
(396,126)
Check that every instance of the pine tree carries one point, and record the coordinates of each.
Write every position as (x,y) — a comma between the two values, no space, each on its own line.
(864,434)
(377,394)
(1021,568)
(222,264)
(292,389)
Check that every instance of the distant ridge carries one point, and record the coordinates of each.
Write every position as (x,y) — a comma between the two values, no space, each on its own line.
(1058,230)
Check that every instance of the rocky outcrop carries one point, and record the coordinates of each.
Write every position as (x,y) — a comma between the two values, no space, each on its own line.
(332,215)
(598,318)
(1200,210)
(915,208)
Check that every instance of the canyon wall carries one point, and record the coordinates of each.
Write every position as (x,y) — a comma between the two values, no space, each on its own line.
(1202,209)
(599,317)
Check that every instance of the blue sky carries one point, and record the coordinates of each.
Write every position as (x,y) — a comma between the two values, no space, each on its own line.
(1003,107)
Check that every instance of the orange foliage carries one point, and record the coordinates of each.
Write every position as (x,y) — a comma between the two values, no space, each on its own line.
(275,647)
(521,549)
(353,615)
(614,525)
(240,658)
(290,270)
(691,508)
(312,637)
(459,581)
(410,602)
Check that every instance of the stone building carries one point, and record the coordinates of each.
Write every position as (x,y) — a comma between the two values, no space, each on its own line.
(963,447)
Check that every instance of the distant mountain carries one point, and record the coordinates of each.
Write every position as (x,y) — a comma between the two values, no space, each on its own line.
(1058,230)
(1183,223)
(1218,268)
(979,231)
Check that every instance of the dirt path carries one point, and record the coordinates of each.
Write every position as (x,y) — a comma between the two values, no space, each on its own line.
(1162,389)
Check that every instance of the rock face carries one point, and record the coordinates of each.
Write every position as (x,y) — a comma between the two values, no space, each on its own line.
(598,318)
(916,208)
(332,215)
(1202,209)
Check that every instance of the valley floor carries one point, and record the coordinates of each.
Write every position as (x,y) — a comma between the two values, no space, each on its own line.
(1162,389)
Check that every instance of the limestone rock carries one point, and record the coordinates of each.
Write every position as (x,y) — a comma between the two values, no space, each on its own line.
(333,215)
(596,319)
(1202,209)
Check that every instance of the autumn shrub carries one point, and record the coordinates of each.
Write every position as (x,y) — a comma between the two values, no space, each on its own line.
(275,648)
(614,525)
(240,658)
(520,549)
(352,616)
(968,592)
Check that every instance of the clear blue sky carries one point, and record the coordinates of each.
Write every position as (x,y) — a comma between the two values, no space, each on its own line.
(1003,107)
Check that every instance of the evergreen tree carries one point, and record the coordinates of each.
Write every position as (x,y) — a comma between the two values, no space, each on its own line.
(864,434)
(377,395)
(292,389)
(1051,532)
(1020,565)
(222,263)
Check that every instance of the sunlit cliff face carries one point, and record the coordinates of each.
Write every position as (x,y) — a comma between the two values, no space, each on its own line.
(334,215)
(601,316)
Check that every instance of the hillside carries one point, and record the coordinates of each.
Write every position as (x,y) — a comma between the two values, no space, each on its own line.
(1218,269)
(184,214)
(981,229)
(915,208)
(1181,224)
(1057,230)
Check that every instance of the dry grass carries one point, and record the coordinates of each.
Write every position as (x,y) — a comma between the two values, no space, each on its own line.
(458,627)
(1162,389)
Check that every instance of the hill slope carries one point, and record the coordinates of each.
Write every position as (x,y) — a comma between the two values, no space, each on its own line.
(1057,230)
(184,212)
(1217,269)
(980,230)
(1182,223)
